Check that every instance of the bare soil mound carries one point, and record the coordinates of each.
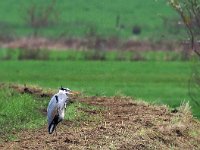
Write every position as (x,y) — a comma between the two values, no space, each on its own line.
(122,124)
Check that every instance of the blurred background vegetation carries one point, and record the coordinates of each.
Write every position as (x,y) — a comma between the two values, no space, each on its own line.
(138,19)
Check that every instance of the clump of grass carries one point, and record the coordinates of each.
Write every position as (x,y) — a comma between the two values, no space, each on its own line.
(80,111)
(71,112)
(185,109)
(19,112)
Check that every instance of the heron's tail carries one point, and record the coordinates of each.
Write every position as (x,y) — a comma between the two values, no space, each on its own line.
(51,127)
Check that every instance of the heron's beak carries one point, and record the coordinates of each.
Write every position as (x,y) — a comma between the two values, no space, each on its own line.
(74,93)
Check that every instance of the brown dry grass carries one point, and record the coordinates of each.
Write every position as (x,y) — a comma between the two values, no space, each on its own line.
(123,124)
(89,43)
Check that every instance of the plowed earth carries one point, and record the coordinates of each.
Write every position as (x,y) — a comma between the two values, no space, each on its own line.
(122,124)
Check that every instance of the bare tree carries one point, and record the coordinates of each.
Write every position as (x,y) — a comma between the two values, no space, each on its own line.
(189,11)
(38,17)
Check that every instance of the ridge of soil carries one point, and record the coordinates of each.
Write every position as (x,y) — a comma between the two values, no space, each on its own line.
(123,124)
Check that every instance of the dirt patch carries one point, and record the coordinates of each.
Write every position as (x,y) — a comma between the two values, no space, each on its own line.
(33,90)
(124,124)
(90,43)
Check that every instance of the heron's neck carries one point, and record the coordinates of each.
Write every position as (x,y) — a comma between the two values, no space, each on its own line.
(60,92)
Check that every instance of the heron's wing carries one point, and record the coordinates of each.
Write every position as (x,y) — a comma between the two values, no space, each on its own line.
(52,109)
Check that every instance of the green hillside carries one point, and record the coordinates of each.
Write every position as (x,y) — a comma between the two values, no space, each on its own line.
(107,18)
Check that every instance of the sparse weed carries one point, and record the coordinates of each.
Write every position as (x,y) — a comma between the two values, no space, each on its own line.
(185,108)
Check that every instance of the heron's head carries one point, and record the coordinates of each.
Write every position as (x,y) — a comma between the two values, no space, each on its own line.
(67,91)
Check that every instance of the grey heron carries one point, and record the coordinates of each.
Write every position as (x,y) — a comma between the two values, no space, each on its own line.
(56,108)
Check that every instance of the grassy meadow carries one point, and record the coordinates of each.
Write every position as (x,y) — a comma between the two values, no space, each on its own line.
(159,82)
(107,18)
(23,109)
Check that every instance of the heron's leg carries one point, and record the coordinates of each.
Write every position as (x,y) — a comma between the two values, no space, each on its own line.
(55,131)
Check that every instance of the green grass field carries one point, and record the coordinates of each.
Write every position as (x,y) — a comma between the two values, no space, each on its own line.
(19,111)
(77,18)
(24,111)
(160,82)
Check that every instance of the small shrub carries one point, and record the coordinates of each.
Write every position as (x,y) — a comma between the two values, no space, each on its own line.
(136,30)
(92,31)
(137,57)
(95,55)
(120,56)
(33,54)
(71,57)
